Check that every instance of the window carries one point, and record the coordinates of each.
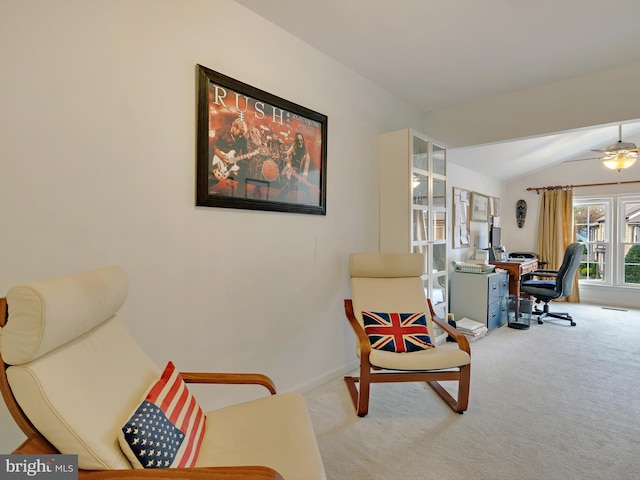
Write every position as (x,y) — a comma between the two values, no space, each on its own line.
(629,209)
(609,227)
(592,224)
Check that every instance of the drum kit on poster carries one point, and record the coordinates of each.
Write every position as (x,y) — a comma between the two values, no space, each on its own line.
(266,158)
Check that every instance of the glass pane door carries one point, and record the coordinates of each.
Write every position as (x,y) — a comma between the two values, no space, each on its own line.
(419,189)
(420,153)
(439,160)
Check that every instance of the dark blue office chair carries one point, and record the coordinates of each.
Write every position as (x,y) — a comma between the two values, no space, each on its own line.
(554,284)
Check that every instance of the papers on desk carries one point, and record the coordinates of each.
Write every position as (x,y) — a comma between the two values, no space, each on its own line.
(482,255)
(466,267)
(471,329)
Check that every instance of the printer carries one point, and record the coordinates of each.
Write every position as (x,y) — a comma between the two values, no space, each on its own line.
(521,256)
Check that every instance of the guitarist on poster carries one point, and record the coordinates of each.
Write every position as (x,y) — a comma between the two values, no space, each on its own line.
(229,145)
(297,171)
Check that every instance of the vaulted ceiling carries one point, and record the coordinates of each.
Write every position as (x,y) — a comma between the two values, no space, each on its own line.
(427,52)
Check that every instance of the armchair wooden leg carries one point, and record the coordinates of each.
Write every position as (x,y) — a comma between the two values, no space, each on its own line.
(360,398)
(365,388)
(463,388)
(464,381)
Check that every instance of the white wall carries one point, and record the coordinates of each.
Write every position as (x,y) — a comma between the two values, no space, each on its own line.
(574,173)
(600,98)
(609,96)
(97,152)
(460,177)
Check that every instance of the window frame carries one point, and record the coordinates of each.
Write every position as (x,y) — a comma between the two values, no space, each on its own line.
(609,267)
(615,241)
(622,202)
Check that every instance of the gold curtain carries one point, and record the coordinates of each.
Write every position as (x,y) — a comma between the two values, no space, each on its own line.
(555,231)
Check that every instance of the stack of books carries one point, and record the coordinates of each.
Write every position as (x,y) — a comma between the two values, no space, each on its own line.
(471,329)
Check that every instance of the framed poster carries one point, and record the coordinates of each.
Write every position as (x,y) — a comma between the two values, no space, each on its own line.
(256,150)
(479,207)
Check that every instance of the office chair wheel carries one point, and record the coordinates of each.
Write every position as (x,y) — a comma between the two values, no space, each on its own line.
(540,322)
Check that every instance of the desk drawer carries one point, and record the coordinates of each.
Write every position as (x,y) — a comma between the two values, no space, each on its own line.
(493,287)
(504,283)
(494,315)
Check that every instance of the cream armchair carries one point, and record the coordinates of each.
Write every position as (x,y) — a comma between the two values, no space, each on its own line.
(71,375)
(391,282)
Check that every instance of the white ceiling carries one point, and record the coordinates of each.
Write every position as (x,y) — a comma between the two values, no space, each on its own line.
(426,52)
(508,160)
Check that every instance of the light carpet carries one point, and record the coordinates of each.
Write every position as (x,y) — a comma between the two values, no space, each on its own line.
(551,402)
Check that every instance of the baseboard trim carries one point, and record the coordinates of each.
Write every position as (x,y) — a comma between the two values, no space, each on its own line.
(324,378)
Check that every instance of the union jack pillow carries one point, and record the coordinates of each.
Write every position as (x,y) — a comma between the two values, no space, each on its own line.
(167,428)
(397,332)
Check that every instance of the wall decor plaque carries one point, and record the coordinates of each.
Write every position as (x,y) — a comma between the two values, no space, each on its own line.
(521,212)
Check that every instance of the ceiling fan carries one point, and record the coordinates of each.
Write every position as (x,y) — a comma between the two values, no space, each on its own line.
(617,156)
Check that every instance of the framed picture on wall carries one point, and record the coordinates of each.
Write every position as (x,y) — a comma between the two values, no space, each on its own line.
(256,150)
(479,207)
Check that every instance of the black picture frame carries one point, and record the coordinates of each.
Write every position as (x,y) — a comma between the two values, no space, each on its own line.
(258,151)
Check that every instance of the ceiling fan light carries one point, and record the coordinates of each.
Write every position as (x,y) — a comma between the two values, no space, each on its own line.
(619,162)
(620,155)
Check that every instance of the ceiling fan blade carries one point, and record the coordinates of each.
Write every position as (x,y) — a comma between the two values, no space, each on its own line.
(619,145)
(581,159)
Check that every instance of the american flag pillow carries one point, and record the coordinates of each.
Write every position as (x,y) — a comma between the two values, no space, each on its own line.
(397,332)
(167,428)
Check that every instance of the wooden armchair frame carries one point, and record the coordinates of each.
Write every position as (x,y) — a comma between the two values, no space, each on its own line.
(37,444)
(367,376)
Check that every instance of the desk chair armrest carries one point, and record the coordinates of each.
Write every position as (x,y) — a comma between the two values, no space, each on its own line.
(539,273)
(230,379)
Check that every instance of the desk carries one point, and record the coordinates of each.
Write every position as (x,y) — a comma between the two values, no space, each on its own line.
(516,270)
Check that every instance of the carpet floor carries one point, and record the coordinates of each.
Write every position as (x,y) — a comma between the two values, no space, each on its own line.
(548,403)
